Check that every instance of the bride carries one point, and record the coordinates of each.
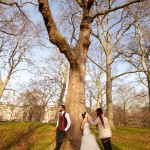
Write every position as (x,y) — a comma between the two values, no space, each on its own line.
(88,140)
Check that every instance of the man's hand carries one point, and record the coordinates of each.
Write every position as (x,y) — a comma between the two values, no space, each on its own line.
(65,130)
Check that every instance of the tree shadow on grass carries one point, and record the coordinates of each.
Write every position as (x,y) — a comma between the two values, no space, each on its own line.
(22,136)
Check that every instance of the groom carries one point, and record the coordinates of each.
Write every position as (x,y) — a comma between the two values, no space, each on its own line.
(63,124)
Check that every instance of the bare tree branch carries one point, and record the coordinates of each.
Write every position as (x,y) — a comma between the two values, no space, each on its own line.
(116,8)
(19,7)
(8,33)
(80,3)
(125,74)
(54,35)
(15,3)
(95,63)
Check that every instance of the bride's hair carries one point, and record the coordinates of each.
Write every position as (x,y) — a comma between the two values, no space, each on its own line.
(83,115)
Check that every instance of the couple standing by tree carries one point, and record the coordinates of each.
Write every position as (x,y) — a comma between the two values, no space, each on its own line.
(88,140)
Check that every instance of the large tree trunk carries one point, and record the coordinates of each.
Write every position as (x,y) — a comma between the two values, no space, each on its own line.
(63,87)
(2,88)
(4,84)
(75,104)
(99,101)
(109,111)
(148,79)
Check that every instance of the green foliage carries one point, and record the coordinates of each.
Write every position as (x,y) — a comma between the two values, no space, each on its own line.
(40,136)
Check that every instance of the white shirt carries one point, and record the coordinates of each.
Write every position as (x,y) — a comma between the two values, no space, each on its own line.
(68,120)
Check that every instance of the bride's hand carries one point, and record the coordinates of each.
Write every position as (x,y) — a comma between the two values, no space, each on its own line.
(87,115)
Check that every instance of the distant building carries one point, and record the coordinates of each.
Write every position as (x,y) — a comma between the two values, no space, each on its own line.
(50,114)
(22,113)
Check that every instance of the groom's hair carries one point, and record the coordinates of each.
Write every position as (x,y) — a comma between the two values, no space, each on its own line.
(63,106)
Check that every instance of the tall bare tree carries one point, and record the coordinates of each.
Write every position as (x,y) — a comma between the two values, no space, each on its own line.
(63,73)
(75,102)
(141,56)
(12,55)
(129,102)
(55,69)
(77,59)
(110,29)
(95,86)
(16,43)
(137,54)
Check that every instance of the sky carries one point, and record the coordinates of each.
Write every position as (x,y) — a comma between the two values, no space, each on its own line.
(35,17)
(40,54)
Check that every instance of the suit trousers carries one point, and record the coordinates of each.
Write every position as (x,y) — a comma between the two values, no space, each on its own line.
(107,143)
(60,134)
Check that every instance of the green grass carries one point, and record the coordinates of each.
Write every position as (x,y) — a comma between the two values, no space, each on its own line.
(128,138)
(26,136)
(38,136)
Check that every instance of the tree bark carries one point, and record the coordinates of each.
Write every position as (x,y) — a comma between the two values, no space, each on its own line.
(109,111)
(99,97)
(4,84)
(2,88)
(75,104)
(148,79)
(75,101)
(63,84)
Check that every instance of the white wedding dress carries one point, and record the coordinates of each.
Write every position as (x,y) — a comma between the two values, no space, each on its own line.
(88,140)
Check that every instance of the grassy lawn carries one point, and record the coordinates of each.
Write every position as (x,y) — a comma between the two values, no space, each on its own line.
(26,136)
(38,136)
(128,138)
